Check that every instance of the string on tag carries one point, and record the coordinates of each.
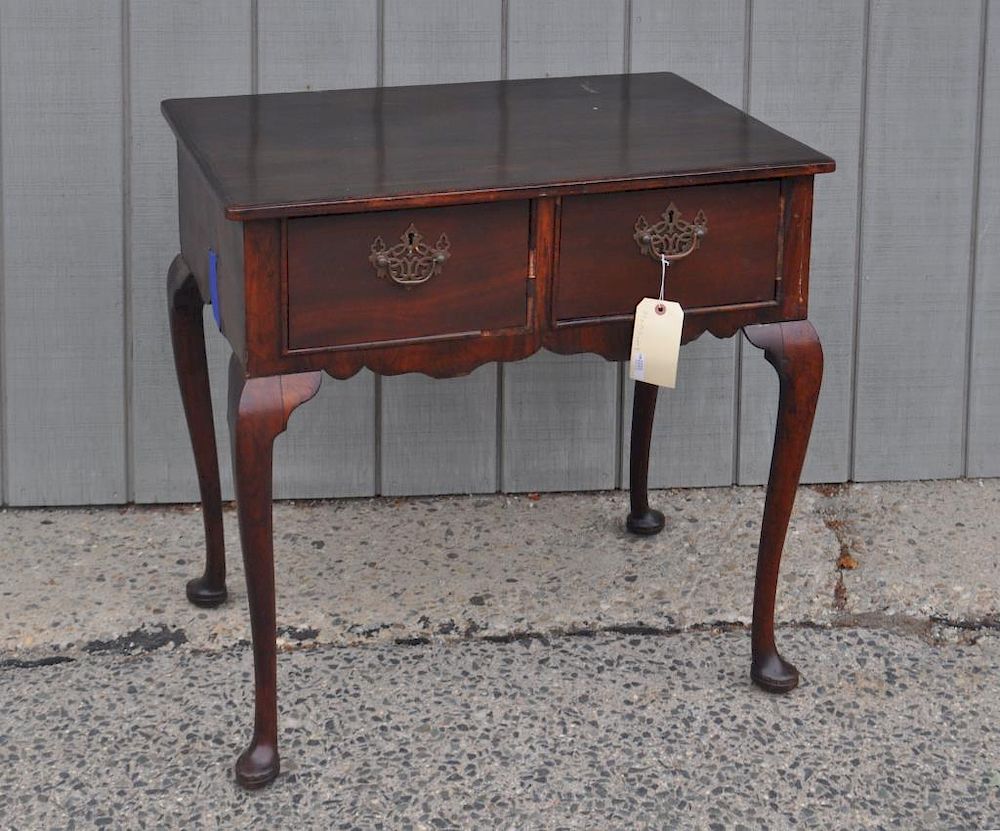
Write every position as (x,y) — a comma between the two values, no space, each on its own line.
(663,272)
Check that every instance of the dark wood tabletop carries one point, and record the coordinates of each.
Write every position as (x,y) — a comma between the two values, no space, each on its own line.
(299,154)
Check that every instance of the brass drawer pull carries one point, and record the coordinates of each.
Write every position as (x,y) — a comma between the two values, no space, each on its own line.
(672,238)
(411,261)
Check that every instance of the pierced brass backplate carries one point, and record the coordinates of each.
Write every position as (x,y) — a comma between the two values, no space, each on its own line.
(672,238)
(411,261)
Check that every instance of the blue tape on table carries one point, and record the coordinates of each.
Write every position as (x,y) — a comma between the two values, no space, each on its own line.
(213,285)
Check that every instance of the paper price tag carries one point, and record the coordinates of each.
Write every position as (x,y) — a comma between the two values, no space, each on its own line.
(656,342)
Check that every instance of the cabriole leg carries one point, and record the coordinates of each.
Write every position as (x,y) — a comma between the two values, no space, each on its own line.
(642,519)
(187,333)
(794,350)
(258,412)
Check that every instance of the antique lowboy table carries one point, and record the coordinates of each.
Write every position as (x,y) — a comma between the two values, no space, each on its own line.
(436,228)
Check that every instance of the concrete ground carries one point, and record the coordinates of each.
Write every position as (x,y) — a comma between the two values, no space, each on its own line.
(500,662)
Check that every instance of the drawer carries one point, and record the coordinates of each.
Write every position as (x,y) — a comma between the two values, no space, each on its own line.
(424,274)
(603,272)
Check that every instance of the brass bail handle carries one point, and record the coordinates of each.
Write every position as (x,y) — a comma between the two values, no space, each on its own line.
(411,261)
(672,238)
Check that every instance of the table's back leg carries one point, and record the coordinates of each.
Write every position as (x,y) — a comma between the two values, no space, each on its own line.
(642,519)
(794,350)
(187,332)
(258,412)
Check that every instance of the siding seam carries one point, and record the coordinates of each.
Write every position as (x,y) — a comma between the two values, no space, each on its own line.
(128,327)
(377,379)
(4,491)
(379,43)
(736,474)
(619,479)
(254,47)
(498,447)
(627,58)
(970,319)
(504,38)
(499,425)
(859,237)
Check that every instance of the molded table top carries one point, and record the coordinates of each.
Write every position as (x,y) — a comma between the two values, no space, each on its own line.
(298,154)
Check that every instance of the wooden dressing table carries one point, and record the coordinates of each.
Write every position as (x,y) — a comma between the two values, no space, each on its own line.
(436,228)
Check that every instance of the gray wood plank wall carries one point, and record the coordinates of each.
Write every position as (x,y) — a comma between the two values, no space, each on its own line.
(983,409)
(560,428)
(696,423)
(905,94)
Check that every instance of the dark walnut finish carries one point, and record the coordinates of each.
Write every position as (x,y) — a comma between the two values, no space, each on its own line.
(258,412)
(187,332)
(433,229)
(794,350)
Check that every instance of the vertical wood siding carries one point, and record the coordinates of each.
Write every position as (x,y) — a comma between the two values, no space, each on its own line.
(440,437)
(64,312)
(695,427)
(916,223)
(175,49)
(905,94)
(983,452)
(807,79)
(560,423)
(330,446)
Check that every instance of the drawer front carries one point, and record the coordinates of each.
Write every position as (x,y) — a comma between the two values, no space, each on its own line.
(723,240)
(396,275)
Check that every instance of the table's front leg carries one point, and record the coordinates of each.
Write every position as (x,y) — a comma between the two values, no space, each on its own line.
(642,519)
(794,350)
(258,412)
(187,333)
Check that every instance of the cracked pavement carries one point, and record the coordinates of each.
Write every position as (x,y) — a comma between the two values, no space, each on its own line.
(512,662)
